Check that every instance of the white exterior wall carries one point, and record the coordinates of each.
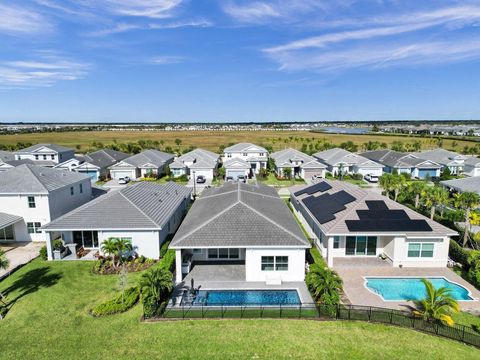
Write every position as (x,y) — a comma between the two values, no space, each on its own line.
(296,264)
(146,243)
(119,173)
(61,202)
(471,171)
(208,173)
(440,253)
(367,170)
(57,157)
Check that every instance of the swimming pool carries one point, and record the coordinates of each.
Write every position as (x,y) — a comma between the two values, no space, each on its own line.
(411,288)
(247,297)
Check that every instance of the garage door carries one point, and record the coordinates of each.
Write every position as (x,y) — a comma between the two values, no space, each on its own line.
(235,173)
(92,174)
(207,173)
(120,174)
(308,174)
(423,173)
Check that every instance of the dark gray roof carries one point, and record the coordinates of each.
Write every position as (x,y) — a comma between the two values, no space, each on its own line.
(21,162)
(286,157)
(35,147)
(335,156)
(144,205)
(105,158)
(473,161)
(155,157)
(239,215)
(396,159)
(33,179)
(8,219)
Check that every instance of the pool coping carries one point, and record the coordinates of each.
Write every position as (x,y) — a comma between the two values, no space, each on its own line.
(365,278)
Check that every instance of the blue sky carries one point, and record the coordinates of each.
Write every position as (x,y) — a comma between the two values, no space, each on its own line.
(233,60)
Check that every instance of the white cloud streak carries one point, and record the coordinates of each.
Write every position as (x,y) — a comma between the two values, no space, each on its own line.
(166,60)
(17,20)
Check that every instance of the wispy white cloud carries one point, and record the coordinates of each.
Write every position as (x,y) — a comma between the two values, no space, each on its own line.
(19,20)
(45,69)
(251,12)
(166,60)
(157,9)
(125,27)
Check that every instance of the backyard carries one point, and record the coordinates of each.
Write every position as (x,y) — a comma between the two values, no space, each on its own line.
(49,319)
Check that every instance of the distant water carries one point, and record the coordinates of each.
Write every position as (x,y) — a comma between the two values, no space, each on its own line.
(346,130)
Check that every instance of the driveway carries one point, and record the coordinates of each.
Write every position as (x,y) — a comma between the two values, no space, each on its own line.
(113,185)
(18,254)
(199,187)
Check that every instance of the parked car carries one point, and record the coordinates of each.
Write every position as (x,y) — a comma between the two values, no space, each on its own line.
(201,179)
(229,178)
(371,178)
(242,178)
(124,180)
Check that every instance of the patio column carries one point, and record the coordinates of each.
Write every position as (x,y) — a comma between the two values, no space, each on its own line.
(48,238)
(330,251)
(178,266)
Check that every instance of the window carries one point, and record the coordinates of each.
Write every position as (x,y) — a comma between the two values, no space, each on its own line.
(44,157)
(197,251)
(7,234)
(261,154)
(336,242)
(34,227)
(223,253)
(234,253)
(212,253)
(36,157)
(268,263)
(71,191)
(31,202)
(245,154)
(81,188)
(281,263)
(52,157)
(361,245)
(229,155)
(420,250)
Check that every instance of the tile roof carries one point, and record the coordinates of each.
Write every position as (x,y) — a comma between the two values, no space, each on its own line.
(6,156)
(143,205)
(236,163)
(285,157)
(33,179)
(245,147)
(105,157)
(8,219)
(201,159)
(53,147)
(155,157)
(470,184)
(239,215)
(396,159)
(336,156)
(441,156)
(473,161)
(338,225)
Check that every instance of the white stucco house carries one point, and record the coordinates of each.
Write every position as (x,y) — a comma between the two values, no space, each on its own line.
(198,161)
(346,221)
(32,196)
(141,165)
(256,156)
(97,164)
(144,213)
(345,162)
(7,161)
(301,165)
(47,155)
(447,159)
(235,168)
(471,166)
(247,225)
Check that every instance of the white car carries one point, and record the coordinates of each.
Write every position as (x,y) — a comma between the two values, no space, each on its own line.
(124,180)
(371,178)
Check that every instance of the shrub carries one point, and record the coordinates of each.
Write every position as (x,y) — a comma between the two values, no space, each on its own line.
(58,244)
(168,260)
(164,249)
(43,253)
(459,254)
(119,304)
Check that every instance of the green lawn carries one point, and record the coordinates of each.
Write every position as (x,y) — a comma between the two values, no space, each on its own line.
(272,180)
(49,320)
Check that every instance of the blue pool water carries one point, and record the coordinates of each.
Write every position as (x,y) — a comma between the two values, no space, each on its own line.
(412,288)
(247,297)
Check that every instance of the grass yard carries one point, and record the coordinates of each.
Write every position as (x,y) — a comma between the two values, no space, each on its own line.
(211,140)
(272,180)
(49,320)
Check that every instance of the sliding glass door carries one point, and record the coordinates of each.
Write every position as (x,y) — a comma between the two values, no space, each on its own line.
(361,245)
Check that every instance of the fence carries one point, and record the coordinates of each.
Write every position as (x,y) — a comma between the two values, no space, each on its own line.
(405,319)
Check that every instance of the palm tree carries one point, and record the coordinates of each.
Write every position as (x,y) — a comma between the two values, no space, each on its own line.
(3,260)
(109,247)
(416,189)
(124,247)
(386,183)
(398,182)
(467,201)
(155,285)
(324,283)
(438,304)
(435,196)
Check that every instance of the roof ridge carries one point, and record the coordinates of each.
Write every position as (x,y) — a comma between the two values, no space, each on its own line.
(141,211)
(214,195)
(254,193)
(28,166)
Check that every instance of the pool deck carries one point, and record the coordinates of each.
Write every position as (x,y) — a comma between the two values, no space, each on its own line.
(354,285)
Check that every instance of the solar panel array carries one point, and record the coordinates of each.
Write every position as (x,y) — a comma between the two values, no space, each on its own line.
(321,186)
(379,218)
(324,207)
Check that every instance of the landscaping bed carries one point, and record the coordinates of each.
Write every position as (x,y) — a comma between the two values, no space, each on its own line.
(105,266)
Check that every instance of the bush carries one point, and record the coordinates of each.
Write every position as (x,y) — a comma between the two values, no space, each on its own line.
(58,245)
(168,260)
(119,304)
(164,249)
(43,253)
(459,254)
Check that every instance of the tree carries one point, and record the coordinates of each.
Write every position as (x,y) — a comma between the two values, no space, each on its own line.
(386,183)
(287,172)
(178,142)
(435,196)
(398,182)
(155,285)
(467,201)
(109,247)
(438,304)
(416,189)
(324,283)
(3,260)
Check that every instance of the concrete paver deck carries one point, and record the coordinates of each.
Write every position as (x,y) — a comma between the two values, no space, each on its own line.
(18,254)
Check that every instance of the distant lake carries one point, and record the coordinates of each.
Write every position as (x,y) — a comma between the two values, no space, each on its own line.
(344,130)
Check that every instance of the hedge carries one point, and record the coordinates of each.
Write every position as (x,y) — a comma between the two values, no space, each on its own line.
(116,305)
(168,260)
(458,253)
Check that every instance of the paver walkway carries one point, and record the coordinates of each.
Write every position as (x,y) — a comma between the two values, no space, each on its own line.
(19,253)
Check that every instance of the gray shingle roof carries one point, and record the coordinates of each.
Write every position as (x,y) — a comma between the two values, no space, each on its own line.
(396,159)
(33,179)
(155,157)
(239,215)
(336,156)
(105,157)
(441,156)
(144,205)
(473,161)
(338,226)
(202,159)
(236,163)
(471,184)
(35,147)
(285,157)
(245,147)
(8,219)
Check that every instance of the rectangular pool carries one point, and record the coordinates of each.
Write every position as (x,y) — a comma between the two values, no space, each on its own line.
(247,297)
(403,289)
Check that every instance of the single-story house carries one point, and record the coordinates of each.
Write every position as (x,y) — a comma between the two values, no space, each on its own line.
(340,161)
(404,163)
(148,162)
(243,224)
(254,155)
(470,184)
(472,166)
(447,159)
(96,164)
(145,213)
(198,161)
(349,222)
(70,164)
(301,165)
(236,167)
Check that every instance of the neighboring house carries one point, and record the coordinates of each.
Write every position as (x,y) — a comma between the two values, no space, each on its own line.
(254,155)
(37,195)
(301,164)
(447,159)
(236,167)
(198,161)
(7,161)
(340,161)
(349,222)
(47,155)
(96,164)
(470,184)
(148,162)
(242,224)
(404,163)
(144,213)
(472,166)
(6,156)
(71,164)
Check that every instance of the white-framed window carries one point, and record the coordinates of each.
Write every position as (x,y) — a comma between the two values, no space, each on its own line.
(223,253)
(44,157)
(245,154)
(31,202)
(274,263)
(52,157)
(36,157)
(197,251)
(336,242)
(424,250)
(229,155)
(34,227)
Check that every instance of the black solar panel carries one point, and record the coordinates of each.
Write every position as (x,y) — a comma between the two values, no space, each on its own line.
(387,225)
(382,215)
(325,207)
(376,205)
(321,186)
